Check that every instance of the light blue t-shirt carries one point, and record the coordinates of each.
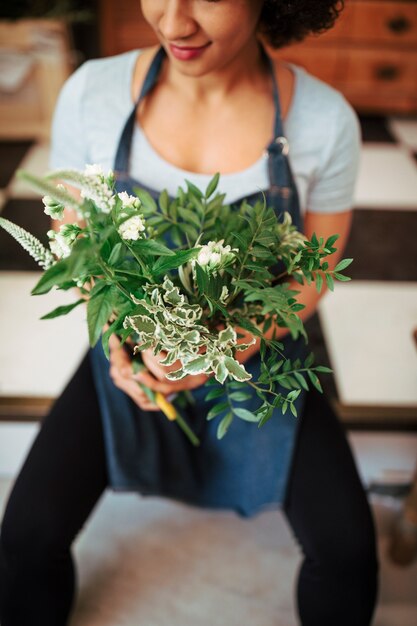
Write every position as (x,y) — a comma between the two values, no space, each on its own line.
(321,127)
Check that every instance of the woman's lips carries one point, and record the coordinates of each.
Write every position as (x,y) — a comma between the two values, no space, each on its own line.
(187,53)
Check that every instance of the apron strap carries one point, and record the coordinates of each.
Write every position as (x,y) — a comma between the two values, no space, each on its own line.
(122,159)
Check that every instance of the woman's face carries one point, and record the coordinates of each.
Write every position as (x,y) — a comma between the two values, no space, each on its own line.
(201,36)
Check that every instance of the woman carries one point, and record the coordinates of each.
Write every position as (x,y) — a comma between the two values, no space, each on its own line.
(208,100)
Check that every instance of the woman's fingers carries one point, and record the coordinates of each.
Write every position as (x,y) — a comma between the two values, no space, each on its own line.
(122,375)
(171,386)
(133,390)
(156,385)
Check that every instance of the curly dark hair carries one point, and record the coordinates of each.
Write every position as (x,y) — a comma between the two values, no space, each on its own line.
(283,22)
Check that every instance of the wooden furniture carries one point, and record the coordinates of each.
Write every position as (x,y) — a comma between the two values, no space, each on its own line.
(370,55)
(26,113)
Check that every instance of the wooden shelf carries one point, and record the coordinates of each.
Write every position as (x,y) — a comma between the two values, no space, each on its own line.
(27,113)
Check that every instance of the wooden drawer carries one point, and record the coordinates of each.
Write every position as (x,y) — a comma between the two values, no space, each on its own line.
(372,23)
(378,71)
(391,23)
(381,80)
(328,64)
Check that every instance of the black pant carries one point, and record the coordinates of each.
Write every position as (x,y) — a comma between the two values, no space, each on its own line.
(65,474)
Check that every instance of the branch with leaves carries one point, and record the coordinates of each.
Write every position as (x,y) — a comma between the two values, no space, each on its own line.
(178,275)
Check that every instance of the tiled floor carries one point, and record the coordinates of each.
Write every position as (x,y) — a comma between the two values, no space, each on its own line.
(383,243)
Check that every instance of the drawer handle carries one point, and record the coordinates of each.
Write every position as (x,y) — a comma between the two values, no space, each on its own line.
(387,72)
(399,25)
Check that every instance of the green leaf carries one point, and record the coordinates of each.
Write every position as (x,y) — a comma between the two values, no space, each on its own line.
(309,360)
(99,286)
(212,186)
(301,380)
(146,199)
(62,310)
(239,396)
(261,252)
(246,415)
(189,216)
(54,276)
(189,230)
(329,243)
(163,264)
(342,265)
(341,277)
(241,241)
(116,326)
(299,278)
(319,281)
(152,247)
(99,310)
(235,369)
(323,369)
(164,201)
(224,425)
(276,366)
(314,379)
(330,282)
(115,254)
(215,393)
(293,409)
(196,191)
(216,410)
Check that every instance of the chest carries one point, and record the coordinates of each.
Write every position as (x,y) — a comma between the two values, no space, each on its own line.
(205,139)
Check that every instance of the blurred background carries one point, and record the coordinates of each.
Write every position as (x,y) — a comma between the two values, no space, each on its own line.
(366,330)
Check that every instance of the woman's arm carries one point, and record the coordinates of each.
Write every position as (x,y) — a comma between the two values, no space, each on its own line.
(324,225)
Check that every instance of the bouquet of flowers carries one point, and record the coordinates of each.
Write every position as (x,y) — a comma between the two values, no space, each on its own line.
(179,276)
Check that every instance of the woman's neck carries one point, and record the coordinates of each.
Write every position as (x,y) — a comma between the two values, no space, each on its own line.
(246,70)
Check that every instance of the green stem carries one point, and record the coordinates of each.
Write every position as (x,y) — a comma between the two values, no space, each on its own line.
(187,430)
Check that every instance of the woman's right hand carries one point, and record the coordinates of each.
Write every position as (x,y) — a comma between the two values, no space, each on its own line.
(121,372)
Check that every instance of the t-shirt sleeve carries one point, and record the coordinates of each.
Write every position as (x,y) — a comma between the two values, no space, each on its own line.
(332,188)
(68,137)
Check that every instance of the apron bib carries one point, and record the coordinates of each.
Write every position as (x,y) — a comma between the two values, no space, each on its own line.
(246,471)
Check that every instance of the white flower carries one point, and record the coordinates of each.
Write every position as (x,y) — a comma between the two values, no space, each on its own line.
(61,242)
(98,188)
(129,202)
(53,208)
(203,257)
(59,245)
(214,256)
(132,228)
(93,170)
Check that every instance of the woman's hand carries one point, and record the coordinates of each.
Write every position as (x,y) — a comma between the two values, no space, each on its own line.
(155,378)
(121,373)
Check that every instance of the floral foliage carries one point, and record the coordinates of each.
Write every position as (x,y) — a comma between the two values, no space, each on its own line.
(180,275)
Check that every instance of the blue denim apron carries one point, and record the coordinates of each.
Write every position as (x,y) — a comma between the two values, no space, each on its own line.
(246,471)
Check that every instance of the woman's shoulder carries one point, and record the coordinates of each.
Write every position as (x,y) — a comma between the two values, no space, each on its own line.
(316,99)
(106,73)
